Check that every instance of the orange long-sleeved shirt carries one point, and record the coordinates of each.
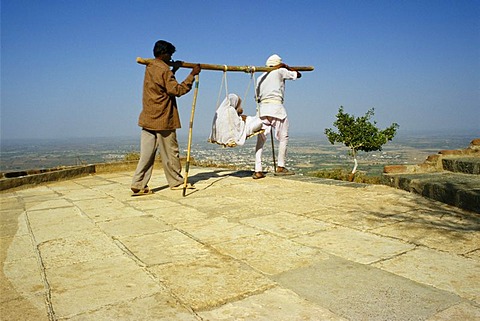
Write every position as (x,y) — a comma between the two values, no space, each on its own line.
(160,89)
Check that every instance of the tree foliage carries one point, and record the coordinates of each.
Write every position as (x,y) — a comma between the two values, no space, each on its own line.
(359,133)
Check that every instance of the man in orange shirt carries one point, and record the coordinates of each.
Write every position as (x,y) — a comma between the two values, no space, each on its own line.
(159,119)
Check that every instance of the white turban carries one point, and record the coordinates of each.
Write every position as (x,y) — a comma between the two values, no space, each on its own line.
(273,60)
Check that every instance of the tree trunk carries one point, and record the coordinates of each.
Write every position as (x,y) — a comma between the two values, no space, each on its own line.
(351,176)
(354,170)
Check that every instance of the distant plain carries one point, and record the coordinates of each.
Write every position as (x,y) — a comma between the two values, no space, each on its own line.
(306,153)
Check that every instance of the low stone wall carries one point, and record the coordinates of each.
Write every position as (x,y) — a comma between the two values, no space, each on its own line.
(467,165)
(29,178)
(460,190)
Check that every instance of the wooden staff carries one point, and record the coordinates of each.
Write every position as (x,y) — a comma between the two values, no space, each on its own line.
(248,69)
(273,151)
(190,134)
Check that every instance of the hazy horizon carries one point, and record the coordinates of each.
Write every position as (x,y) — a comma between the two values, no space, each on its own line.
(182,135)
(306,151)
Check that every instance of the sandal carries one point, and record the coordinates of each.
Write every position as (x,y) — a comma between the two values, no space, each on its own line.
(282,171)
(180,187)
(145,191)
(258,175)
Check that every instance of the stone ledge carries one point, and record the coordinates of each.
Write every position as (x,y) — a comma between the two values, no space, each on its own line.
(43,177)
(28,178)
(460,190)
(466,165)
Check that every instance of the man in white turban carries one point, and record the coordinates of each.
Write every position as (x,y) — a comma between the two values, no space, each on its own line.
(270,92)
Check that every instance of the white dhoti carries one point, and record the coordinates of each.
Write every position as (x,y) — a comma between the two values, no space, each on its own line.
(281,134)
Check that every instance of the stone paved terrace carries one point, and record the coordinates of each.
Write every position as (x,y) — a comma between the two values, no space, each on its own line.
(235,249)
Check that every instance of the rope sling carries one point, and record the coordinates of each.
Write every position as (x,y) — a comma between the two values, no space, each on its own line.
(230,120)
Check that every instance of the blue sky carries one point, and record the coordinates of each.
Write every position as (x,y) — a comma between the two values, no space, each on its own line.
(68,67)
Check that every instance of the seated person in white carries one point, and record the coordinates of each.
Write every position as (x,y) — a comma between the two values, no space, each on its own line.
(230,128)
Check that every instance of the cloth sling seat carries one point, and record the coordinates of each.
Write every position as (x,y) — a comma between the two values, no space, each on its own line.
(229,129)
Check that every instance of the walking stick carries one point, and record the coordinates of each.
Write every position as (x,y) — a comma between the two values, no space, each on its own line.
(273,151)
(189,146)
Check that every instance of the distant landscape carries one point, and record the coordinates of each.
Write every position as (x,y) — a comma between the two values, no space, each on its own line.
(306,154)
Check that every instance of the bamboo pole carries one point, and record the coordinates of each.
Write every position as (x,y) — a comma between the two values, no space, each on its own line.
(190,134)
(248,69)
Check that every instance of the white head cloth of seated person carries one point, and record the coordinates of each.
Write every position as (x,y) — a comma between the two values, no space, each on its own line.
(228,128)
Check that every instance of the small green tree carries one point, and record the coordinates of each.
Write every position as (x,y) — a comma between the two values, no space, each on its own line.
(359,134)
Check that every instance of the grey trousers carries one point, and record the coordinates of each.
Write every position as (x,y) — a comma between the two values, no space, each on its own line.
(150,142)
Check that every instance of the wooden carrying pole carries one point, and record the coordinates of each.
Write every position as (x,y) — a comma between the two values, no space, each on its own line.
(248,69)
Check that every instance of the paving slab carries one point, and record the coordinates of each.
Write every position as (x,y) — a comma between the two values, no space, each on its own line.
(211,280)
(106,203)
(83,194)
(460,312)
(357,219)
(25,278)
(270,254)
(133,226)
(87,286)
(104,213)
(217,229)
(63,186)
(9,201)
(178,215)
(150,202)
(160,306)
(442,270)
(165,247)
(57,223)
(355,245)
(9,224)
(475,255)
(274,304)
(433,236)
(287,225)
(19,248)
(361,292)
(25,307)
(43,204)
(78,248)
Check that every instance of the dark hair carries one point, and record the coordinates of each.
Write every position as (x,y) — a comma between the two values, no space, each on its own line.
(163,47)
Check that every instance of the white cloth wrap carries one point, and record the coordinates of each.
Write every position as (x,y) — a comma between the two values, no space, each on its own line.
(228,128)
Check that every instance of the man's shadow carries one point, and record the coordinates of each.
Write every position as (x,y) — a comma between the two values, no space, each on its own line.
(223,173)
(205,176)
